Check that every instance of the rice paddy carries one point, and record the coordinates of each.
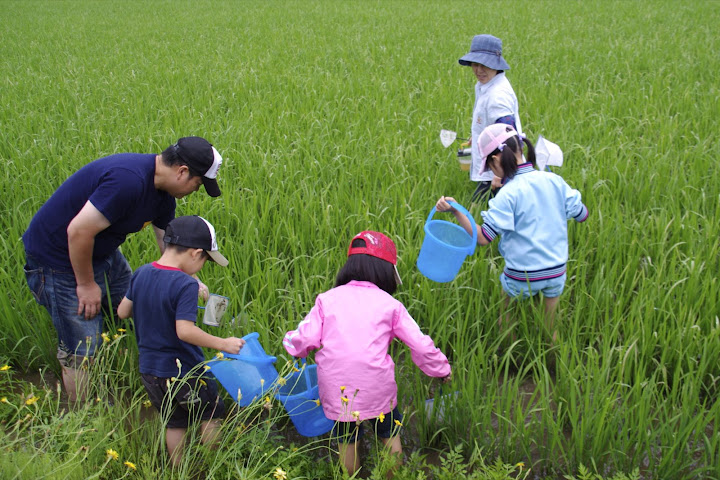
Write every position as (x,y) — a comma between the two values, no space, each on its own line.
(328,116)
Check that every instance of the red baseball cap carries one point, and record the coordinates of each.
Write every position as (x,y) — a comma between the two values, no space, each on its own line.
(376,245)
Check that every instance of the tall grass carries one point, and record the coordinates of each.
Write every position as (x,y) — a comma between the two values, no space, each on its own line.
(327,115)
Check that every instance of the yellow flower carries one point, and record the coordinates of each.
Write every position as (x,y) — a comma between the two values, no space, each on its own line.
(32,400)
(342,389)
(262,382)
(116,336)
(344,399)
(111,454)
(5,368)
(295,369)
(122,330)
(317,402)
(203,383)
(281,381)
(206,367)
(381,417)
(398,423)
(105,337)
(520,464)
(219,355)
(173,379)
(355,414)
(280,474)
(147,404)
(178,363)
(130,465)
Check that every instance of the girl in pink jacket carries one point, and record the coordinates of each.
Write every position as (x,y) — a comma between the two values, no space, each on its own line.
(353,325)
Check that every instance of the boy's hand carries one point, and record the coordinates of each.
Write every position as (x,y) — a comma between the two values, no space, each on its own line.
(233,344)
(442,204)
(447,379)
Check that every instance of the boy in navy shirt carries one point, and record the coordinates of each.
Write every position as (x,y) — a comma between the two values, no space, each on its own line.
(162,299)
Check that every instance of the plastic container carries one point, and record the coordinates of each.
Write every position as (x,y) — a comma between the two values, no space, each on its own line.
(214,309)
(300,398)
(246,376)
(445,247)
(464,157)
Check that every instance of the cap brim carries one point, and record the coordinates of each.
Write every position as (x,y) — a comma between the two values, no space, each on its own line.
(490,61)
(211,187)
(218,258)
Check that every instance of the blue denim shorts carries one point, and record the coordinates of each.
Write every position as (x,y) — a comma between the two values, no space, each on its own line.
(56,291)
(550,288)
(350,432)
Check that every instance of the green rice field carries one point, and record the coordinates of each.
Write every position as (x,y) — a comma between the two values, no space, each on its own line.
(327,114)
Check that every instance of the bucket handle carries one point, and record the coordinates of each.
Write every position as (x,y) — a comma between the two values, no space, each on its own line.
(462,210)
(250,358)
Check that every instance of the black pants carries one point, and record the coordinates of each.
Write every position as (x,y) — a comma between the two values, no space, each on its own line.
(484,191)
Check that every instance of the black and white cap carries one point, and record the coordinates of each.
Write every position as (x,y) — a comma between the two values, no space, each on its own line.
(193,231)
(203,159)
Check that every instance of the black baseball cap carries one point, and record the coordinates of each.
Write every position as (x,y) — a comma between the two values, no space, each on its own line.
(201,157)
(193,231)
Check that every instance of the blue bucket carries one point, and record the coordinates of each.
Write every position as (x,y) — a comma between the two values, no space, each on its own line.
(300,398)
(248,375)
(445,246)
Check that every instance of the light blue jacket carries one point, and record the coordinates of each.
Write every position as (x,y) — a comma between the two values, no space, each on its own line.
(530,215)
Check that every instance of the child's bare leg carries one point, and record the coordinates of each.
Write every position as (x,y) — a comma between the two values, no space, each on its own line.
(175,440)
(210,432)
(550,309)
(395,447)
(348,457)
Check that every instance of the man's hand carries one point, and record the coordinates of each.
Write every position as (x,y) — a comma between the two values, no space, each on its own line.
(203,291)
(89,296)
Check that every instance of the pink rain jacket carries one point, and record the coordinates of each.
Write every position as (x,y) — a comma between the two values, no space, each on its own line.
(353,326)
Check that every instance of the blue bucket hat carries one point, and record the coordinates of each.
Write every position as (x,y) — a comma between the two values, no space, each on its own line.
(485,50)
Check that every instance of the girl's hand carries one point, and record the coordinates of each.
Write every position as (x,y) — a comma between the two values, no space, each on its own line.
(442,204)
(447,379)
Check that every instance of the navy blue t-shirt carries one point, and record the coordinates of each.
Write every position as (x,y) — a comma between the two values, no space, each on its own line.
(161,296)
(121,187)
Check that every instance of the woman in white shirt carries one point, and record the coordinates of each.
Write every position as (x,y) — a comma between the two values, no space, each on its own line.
(495,102)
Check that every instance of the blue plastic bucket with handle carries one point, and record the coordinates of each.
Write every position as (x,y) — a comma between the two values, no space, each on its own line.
(445,246)
(299,395)
(248,375)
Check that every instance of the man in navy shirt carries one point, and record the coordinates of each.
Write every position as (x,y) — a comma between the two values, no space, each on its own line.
(71,244)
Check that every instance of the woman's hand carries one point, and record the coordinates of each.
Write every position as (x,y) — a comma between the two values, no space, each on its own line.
(442,204)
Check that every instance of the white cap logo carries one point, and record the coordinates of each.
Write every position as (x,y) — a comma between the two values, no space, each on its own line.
(217,161)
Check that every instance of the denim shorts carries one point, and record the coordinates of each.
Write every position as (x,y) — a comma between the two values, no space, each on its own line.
(350,432)
(550,288)
(185,401)
(56,291)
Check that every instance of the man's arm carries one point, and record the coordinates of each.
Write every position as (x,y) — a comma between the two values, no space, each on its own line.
(81,234)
